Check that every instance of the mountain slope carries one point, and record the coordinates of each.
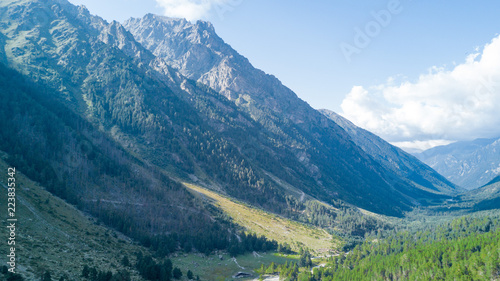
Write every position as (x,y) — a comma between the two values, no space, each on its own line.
(99,121)
(323,148)
(52,232)
(470,164)
(277,228)
(393,158)
(487,197)
(60,150)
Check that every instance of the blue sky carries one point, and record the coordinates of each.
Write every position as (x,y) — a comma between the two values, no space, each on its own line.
(305,44)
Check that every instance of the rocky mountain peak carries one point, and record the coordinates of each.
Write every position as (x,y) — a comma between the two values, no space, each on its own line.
(206,26)
(116,35)
(200,54)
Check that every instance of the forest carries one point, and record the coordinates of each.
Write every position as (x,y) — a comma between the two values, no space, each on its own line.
(465,248)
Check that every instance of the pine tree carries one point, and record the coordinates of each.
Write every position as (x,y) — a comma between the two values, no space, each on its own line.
(85,271)
(177,273)
(46,276)
(125,261)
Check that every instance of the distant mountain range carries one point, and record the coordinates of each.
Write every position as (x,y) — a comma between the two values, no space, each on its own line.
(469,164)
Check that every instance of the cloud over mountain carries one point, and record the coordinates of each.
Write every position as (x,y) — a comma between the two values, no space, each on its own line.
(442,105)
(195,9)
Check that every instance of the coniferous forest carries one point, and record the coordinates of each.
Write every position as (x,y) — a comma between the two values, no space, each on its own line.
(466,248)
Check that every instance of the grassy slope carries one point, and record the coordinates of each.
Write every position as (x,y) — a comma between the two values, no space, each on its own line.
(269,225)
(53,235)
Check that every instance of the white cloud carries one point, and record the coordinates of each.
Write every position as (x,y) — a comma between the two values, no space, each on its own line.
(443,105)
(196,9)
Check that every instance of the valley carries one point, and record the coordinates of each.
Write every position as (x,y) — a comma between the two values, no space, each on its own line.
(152,150)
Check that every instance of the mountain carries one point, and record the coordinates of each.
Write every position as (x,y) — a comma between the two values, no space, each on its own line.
(403,164)
(488,196)
(469,164)
(142,109)
(198,53)
(484,198)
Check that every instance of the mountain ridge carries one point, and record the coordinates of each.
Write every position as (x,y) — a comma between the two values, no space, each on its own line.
(184,126)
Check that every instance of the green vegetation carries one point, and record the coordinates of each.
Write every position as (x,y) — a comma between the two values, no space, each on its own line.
(57,237)
(466,248)
(151,270)
(269,225)
(289,271)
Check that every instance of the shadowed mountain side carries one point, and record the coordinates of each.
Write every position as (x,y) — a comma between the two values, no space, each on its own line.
(403,164)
